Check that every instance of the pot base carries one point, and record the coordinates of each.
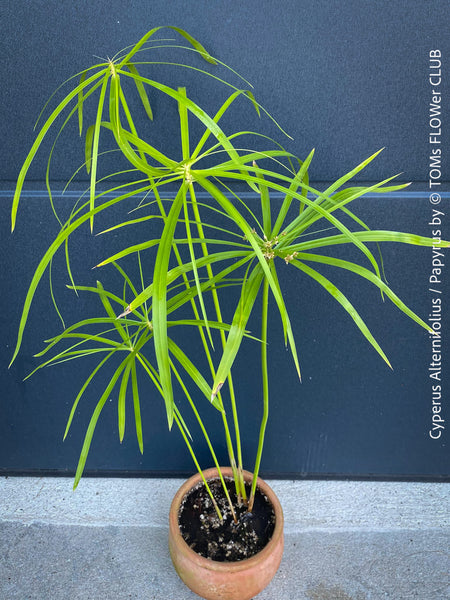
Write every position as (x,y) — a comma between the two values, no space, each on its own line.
(216,580)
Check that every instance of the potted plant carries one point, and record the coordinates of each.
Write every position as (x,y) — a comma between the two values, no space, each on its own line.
(210,244)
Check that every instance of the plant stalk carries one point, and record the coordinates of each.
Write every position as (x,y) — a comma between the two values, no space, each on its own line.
(265,383)
(237,472)
(184,128)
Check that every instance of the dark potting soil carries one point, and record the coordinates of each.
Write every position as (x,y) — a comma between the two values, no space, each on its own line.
(225,540)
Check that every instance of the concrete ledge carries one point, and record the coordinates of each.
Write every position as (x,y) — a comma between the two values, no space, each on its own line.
(108,540)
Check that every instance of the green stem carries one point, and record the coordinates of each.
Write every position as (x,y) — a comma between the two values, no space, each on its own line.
(152,373)
(237,473)
(265,382)
(207,352)
(206,436)
(194,458)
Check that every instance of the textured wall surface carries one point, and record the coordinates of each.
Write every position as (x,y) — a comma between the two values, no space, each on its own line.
(344,77)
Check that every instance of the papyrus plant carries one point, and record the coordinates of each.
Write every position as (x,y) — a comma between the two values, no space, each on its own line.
(214,241)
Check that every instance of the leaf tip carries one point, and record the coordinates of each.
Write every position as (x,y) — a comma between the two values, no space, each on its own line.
(170,421)
(14,356)
(207,56)
(125,313)
(216,390)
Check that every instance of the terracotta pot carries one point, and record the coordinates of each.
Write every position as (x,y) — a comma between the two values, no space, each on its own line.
(215,580)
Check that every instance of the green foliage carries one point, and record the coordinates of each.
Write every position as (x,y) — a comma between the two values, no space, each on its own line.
(203,248)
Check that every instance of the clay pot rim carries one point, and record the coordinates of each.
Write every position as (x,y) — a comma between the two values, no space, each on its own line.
(215,565)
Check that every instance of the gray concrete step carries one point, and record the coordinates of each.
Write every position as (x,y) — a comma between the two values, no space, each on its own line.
(108,540)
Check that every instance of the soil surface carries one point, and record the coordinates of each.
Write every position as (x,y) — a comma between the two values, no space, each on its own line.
(225,540)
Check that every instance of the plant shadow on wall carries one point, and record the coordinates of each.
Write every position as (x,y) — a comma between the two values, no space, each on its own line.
(222,219)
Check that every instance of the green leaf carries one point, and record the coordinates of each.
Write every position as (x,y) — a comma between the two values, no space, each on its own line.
(122,398)
(160,302)
(80,102)
(59,241)
(139,163)
(141,91)
(331,204)
(299,177)
(370,236)
(290,334)
(74,351)
(147,148)
(137,408)
(285,241)
(88,147)
(220,279)
(178,241)
(195,271)
(246,229)
(43,131)
(220,114)
(127,223)
(242,161)
(357,191)
(199,113)
(182,32)
(83,389)
(344,302)
(193,373)
(176,272)
(85,322)
(238,328)
(95,144)
(265,208)
(363,272)
(94,419)
(337,184)
(110,312)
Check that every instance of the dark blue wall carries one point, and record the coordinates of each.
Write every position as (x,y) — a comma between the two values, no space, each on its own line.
(344,77)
